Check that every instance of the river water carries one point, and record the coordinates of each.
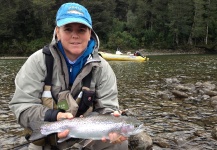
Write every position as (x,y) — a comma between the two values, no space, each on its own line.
(173,123)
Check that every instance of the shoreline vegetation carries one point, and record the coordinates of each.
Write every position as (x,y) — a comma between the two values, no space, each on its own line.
(129,25)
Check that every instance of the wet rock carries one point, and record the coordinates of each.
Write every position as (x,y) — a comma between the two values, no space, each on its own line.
(205,97)
(198,84)
(181,115)
(179,94)
(210,93)
(168,104)
(172,80)
(162,143)
(202,92)
(141,141)
(199,133)
(182,88)
(164,95)
(155,147)
(214,133)
(213,102)
(208,85)
(191,98)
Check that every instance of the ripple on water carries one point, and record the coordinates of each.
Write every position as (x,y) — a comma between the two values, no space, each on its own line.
(171,122)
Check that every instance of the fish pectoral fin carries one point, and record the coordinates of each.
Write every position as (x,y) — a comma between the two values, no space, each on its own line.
(63,139)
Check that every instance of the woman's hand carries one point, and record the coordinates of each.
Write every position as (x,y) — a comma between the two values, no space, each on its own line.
(60,116)
(113,136)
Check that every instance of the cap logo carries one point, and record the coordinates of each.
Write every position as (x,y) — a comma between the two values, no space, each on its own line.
(75,10)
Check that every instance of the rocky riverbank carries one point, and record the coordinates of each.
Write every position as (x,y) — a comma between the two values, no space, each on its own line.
(189,94)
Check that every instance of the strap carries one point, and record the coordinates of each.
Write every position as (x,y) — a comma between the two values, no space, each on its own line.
(85,102)
(86,81)
(49,65)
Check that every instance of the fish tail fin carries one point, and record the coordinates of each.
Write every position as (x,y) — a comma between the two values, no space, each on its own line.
(35,134)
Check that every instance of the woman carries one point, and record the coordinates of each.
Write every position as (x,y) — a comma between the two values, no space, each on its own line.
(75,51)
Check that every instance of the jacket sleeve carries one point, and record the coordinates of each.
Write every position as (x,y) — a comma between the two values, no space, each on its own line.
(29,82)
(106,89)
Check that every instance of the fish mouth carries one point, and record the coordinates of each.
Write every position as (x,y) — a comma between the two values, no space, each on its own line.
(138,129)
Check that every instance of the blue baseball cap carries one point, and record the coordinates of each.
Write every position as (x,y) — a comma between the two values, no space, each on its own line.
(73,13)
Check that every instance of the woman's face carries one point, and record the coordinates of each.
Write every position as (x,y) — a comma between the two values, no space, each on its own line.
(74,38)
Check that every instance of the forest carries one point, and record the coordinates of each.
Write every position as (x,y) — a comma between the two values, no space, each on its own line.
(28,25)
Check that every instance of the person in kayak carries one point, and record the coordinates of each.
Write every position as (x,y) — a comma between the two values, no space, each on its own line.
(137,53)
(74,50)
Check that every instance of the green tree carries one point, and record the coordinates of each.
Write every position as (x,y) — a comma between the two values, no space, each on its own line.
(7,23)
(102,13)
(212,21)
(123,40)
(199,27)
(121,9)
(46,20)
(180,20)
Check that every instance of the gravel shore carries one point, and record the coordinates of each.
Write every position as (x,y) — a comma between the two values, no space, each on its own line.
(14,57)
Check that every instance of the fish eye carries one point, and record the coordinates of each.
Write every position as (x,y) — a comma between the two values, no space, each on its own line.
(136,125)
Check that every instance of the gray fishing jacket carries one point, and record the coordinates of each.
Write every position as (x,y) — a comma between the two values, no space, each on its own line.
(26,102)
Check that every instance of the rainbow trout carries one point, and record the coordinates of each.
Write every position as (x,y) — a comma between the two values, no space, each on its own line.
(92,127)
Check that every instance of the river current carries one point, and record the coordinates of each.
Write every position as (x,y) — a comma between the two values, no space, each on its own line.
(146,90)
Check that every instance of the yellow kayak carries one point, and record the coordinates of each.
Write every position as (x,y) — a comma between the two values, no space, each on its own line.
(116,57)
